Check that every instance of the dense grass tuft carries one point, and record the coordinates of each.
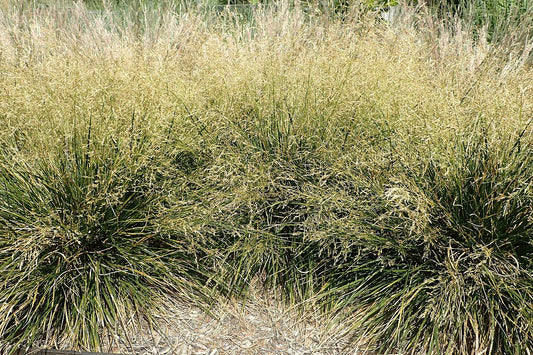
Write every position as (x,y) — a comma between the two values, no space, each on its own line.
(458,281)
(82,243)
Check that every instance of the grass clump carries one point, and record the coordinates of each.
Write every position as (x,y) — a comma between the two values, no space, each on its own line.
(457,278)
(82,243)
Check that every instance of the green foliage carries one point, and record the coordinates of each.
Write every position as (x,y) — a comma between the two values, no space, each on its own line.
(459,279)
(380,3)
(498,17)
(81,242)
(434,259)
(485,194)
(502,16)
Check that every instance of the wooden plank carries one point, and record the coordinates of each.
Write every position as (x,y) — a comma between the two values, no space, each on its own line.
(59,352)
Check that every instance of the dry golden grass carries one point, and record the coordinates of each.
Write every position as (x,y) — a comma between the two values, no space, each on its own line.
(63,64)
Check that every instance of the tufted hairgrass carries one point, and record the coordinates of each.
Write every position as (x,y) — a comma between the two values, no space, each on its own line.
(379,173)
(83,246)
(451,272)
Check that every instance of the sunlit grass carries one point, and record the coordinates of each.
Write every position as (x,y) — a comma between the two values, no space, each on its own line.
(83,243)
(379,172)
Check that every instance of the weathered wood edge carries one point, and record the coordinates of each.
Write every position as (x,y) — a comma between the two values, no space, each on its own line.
(58,352)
